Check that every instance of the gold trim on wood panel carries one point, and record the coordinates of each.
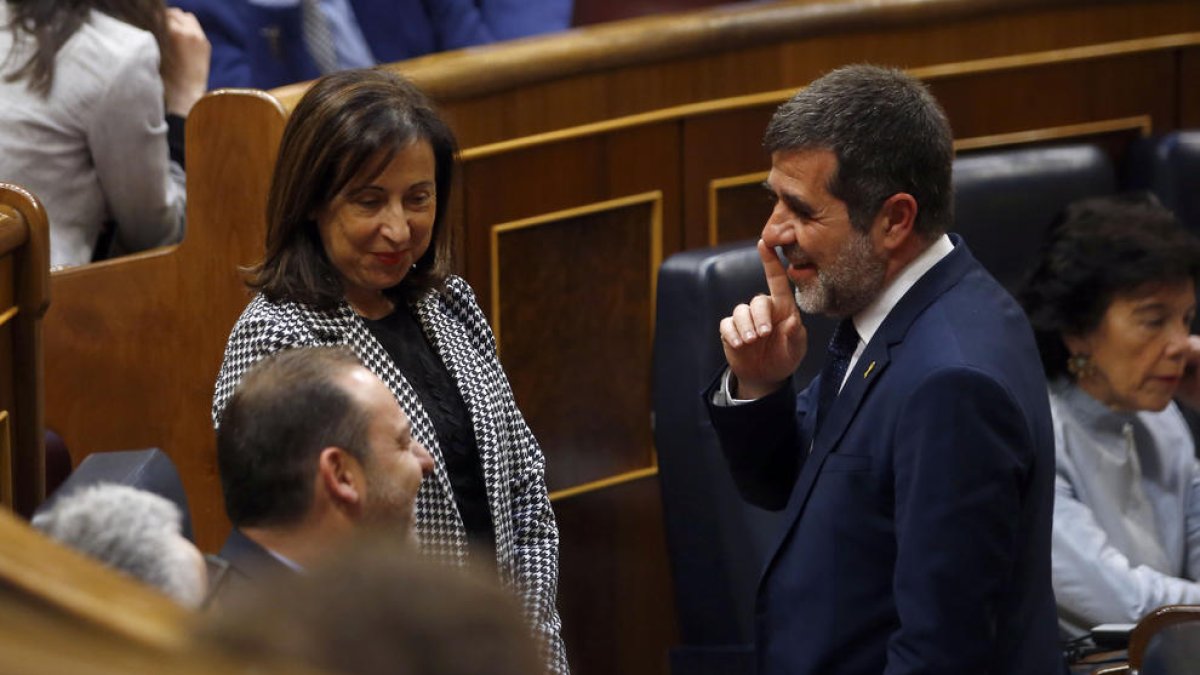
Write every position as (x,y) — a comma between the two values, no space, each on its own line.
(6,483)
(663,115)
(1084,53)
(603,483)
(654,198)
(719,184)
(927,73)
(9,314)
(1142,124)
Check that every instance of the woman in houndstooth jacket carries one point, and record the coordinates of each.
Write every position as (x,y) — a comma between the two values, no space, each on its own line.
(358,253)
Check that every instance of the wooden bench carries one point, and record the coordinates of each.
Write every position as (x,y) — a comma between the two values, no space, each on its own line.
(62,612)
(24,297)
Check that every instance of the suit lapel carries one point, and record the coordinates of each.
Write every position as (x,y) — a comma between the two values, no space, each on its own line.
(869,369)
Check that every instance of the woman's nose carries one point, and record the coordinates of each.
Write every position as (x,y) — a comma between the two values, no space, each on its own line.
(395,225)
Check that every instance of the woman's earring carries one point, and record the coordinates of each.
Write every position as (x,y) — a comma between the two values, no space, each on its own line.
(1079,365)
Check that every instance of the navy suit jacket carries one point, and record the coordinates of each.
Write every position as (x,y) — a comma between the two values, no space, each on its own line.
(263,47)
(917,530)
(249,565)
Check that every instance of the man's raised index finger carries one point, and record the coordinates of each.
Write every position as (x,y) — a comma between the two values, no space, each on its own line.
(777,280)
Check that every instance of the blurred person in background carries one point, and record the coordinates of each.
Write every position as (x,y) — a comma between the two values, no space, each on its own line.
(270,43)
(1112,303)
(377,609)
(132,531)
(93,97)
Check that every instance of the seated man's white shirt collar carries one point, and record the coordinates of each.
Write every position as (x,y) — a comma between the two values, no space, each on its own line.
(292,564)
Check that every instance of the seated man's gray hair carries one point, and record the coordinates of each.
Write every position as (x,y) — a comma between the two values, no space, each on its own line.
(133,531)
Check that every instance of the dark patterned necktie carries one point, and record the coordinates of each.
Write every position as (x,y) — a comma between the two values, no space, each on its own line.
(841,348)
(317,36)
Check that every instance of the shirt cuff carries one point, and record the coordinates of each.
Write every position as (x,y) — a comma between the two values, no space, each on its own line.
(722,398)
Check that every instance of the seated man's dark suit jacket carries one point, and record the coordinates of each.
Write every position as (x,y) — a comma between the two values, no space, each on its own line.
(249,565)
(917,538)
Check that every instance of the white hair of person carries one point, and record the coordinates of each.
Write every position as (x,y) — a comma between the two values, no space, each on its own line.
(133,531)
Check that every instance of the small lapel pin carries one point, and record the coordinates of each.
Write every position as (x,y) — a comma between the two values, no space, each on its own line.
(868,370)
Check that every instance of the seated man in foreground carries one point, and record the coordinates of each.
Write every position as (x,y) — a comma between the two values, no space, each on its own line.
(311,446)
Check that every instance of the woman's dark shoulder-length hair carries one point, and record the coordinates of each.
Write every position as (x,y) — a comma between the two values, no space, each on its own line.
(1098,249)
(349,124)
(50,23)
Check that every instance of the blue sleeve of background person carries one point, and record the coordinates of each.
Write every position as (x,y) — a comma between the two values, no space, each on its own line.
(395,29)
(509,19)
(226,23)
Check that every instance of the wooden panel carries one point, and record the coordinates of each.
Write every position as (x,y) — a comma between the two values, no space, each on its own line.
(1061,94)
(738,208)
(7,289)
(539,179)
(586,398)
(614,584)
(715,146)
(598,11)
(1189,76)
(8,395)
(508,91)
(25,244)
(6,448)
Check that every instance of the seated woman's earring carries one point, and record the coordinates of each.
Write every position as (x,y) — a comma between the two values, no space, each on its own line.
(1080,365)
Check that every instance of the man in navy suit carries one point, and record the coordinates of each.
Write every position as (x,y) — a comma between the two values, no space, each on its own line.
(917,470)
(311,446)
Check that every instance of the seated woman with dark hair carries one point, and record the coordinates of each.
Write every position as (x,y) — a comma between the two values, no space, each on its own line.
(1112,302)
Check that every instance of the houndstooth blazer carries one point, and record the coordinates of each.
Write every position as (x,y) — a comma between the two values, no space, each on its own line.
(513,465)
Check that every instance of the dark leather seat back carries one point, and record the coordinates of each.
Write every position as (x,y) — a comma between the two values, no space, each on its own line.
(717,542)
(151,470)
(1005,201)
(1169,166)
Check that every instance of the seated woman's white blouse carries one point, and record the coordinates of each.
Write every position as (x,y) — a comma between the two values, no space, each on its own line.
(1126,511)
(95,150)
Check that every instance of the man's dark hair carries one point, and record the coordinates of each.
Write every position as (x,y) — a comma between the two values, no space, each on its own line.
(889,135)
(288,408)
(1097,249)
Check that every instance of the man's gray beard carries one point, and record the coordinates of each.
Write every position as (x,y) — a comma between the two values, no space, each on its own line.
(851,283)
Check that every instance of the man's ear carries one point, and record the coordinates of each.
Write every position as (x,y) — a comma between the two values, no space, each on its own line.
(895,220)
(341,476)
